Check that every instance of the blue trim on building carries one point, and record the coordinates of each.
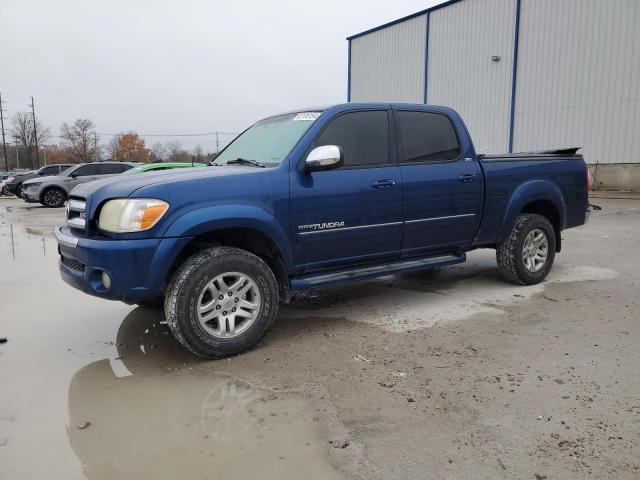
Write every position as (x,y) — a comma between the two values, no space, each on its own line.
(426,56)
(349,73)
(403,19)
(514,74)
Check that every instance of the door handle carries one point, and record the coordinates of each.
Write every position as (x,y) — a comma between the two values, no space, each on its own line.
(383,184)
(467,177)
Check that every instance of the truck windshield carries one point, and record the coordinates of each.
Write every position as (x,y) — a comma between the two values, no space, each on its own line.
(269,141)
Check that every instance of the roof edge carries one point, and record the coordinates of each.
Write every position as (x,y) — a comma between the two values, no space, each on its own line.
(403,19)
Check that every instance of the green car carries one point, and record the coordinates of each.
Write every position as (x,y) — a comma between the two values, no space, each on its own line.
(154,167)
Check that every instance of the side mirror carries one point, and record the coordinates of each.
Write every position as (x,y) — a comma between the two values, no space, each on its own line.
(326,157)
(74,175)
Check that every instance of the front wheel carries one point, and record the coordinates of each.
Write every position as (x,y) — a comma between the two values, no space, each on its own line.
(527,255)
(53,198)
(5,191)
(221,302)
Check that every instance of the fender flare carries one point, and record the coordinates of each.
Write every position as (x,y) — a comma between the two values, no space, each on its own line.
(528,192)
(218,217)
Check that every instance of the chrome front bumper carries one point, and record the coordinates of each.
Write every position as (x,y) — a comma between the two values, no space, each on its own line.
(64,239)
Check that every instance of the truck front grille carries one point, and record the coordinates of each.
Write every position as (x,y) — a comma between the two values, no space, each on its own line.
(72,264)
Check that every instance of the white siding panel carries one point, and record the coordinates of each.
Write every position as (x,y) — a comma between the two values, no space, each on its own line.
(388,65)
(578,81)
(462,39)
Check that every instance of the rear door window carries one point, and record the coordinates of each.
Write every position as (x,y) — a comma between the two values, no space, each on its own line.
(427,137)
(111,168)
(53,170)
(363,137)
(85,170)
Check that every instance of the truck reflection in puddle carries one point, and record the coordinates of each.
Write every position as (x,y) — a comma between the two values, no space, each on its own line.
(165,416)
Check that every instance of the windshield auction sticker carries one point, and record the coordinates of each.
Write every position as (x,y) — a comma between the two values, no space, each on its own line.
(306,116)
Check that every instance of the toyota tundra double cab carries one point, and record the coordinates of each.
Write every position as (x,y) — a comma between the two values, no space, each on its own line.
(313,198)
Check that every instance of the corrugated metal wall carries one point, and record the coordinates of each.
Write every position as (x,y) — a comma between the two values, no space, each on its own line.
(388,65)
(578,72)
(461,74)
(578,80)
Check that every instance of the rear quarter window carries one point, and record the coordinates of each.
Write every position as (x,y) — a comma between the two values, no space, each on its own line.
(427,137)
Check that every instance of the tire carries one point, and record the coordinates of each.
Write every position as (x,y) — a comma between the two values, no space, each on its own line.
(196,282)
(53,198)
(6,192)
(18,191)
(521,242)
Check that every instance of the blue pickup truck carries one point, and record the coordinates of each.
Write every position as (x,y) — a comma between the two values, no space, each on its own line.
(312,198)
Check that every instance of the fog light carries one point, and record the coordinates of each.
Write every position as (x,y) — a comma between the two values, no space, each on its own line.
(106,281)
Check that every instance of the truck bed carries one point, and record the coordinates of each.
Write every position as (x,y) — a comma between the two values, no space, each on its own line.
(505,175)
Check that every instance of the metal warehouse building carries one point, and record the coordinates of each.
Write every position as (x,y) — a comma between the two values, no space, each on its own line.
(524,74)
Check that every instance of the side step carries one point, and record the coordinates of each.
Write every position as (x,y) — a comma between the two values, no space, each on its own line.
(364,273)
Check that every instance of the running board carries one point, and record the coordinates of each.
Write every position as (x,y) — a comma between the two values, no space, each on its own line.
(364,273)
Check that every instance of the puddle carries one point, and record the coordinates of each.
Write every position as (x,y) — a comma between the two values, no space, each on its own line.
(421,300)
(166,425)
(147,408)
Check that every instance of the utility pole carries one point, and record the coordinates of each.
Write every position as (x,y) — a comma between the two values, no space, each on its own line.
(217,144)
(15,142)
(35,132)
(4,145)
(95,145)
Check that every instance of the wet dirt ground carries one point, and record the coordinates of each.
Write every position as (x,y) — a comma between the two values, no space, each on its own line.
(452,375)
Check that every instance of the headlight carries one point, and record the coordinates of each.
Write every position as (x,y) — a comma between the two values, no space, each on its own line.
(131,215)
(32,185)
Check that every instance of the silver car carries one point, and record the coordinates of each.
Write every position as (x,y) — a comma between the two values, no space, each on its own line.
(53,191)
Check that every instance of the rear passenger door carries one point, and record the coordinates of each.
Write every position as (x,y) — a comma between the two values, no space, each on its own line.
(442,192)
(352,214)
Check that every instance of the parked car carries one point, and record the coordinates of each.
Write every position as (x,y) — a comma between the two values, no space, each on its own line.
(53,191)
(155,167)
(15,185)
(310,199)
(4,177)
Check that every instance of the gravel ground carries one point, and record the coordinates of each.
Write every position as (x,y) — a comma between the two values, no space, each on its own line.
(448,375)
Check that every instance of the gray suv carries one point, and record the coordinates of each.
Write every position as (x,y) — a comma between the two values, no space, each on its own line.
(14,185)
(53,191)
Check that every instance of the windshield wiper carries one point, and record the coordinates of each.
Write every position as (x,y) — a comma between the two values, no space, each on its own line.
(244,161)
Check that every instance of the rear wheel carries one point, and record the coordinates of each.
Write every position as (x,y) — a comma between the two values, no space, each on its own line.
(221,302)
(5,191)
(527,255)
(18,191)
(53,198)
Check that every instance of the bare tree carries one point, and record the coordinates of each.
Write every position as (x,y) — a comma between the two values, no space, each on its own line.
(22,129)
(158,152)
(80,139)
(175,152)
(112,148)
(198,154)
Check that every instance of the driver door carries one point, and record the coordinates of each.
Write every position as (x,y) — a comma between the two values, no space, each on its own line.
(352,214)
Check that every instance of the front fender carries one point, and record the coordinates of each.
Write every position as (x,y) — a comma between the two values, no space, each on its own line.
(218,217)
(531,191)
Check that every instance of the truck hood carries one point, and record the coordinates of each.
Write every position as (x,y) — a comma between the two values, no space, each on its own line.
(121,186)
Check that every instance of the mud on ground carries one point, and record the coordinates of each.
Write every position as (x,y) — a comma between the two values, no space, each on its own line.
(453,375)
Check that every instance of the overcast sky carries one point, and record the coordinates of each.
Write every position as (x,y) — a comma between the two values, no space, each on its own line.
(179,66)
